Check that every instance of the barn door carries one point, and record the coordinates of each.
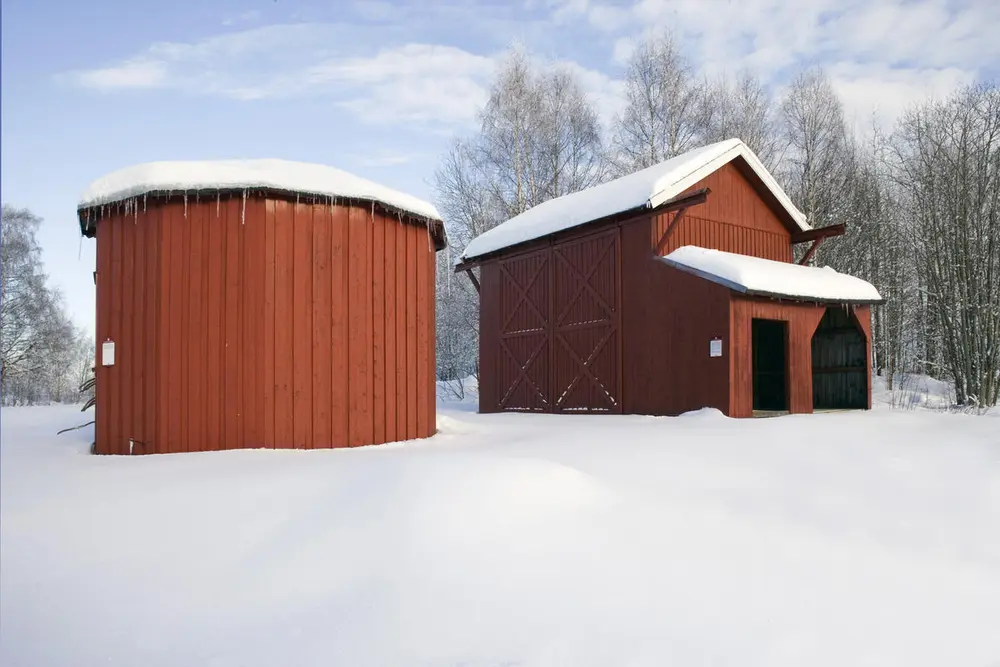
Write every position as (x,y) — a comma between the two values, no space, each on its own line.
(586,325)
(524,358)
(839,363)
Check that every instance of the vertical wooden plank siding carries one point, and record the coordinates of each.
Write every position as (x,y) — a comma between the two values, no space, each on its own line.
(126,348)
(154,325)
(340,328)
(429,347)
(863,315)
(402,332)
(322,340)
(411,327)
(283,326)
(270,317)
(358,316)
(734,218)
(391,396)
(423,298)
(215,344)
(378,327)
(254,223)
(193,358)
(301,351)
(262,323)
(802,319)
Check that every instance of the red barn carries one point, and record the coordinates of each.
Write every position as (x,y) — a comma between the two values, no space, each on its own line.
(260,303)
(669,290)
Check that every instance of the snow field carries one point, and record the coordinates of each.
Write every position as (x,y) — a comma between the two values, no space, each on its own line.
(831,539)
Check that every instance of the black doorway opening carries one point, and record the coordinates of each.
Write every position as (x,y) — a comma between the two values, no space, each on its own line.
(839,370)
(770,365)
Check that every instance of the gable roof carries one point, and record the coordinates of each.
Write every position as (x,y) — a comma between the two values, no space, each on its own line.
(282,175)
(755,276)
(649,188)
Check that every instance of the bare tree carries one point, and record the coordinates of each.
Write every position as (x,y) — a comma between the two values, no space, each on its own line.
(818,163)
(36,335)
(946,160)
(539,138)
(665,111)
(743,109)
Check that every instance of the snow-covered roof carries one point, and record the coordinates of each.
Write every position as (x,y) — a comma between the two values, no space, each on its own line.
(297,177)
(765,277)
(650,187)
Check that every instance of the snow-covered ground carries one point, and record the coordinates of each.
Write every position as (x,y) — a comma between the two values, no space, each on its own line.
(834,539)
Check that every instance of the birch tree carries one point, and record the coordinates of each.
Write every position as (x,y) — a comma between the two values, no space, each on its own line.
(818,162)
(665,112)
(946,162)
(742,108)
(539,138)
(36,335)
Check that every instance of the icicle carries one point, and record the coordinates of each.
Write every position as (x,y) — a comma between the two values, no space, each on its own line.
(218,203)
(243,213)
(143,203)
(135,211)
(373,211)
(79,251)
(185,204)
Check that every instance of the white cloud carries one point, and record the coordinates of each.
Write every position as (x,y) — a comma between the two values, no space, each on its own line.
(251,16)
(882,54)
(130,74)
(412,82)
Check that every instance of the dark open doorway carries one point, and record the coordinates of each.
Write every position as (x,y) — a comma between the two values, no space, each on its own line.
(770,364)
(839,370)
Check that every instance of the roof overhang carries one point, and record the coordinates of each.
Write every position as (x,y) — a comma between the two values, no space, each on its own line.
(88,216)
(797,290)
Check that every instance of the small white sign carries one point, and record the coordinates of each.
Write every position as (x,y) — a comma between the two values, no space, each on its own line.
(715,347)
(108,353)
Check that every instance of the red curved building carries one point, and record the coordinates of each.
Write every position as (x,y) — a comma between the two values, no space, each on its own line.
(262,303)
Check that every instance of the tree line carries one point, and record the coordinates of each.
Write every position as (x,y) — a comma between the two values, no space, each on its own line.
(44,357)
(921,200)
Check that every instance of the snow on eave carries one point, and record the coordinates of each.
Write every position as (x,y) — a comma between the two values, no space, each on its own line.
(645,189)
(263,174)
(738,149)
(755,276)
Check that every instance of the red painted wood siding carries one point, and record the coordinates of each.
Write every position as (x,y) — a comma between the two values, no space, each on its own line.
(802,319)
(734,218)
(668,320)
(262,323)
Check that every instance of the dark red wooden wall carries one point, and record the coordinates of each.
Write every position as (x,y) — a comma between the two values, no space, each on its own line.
(734,218)
(262,323)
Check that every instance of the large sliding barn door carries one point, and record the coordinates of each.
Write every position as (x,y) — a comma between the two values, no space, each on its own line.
(559,337)
(586,327)
(525,349)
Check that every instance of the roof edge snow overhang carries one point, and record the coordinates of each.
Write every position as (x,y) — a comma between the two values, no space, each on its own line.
(90,214)
(752,163)
(740,289)
(681,201)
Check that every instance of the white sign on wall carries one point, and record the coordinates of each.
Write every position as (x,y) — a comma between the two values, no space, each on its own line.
(715,347)
(108,353)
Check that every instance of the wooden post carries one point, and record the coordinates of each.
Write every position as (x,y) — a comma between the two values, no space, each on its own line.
(472,277)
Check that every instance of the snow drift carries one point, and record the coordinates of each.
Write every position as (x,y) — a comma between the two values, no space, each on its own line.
(536,540)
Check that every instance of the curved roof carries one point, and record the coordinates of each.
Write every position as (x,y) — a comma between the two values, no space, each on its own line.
(648,188)
(755,276)
(295,177)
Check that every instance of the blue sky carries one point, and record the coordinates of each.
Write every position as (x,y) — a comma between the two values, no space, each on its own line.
(378,88)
